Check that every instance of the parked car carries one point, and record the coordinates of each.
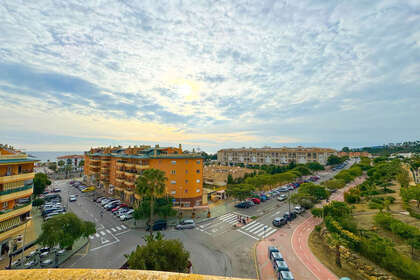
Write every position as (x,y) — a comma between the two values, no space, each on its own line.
(158,225)
(289,216)
(255,200)
(283,189)
(280,266)
(72,198)
(121,211)
(112,205)
(299,209)
(279,221)
(282,197)
(56,190)
(127,215)
(186,224)
(122,205)
(243,204)
(88,189)
(285,275)
(47,262)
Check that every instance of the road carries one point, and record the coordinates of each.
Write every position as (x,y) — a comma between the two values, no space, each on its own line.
(216,247)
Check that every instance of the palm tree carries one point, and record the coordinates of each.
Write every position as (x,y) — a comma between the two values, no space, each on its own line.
(151,185)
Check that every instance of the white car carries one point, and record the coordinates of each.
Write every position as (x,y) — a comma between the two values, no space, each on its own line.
(72,198)
(127,215)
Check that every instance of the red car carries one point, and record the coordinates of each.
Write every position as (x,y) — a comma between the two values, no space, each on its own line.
(118,207)
(255,200)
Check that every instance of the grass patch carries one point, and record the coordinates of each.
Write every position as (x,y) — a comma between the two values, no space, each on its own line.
(325,256)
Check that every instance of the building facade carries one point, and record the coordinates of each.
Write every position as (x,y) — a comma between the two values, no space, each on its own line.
(275,156)
(73,160)
(355,154)
(116,170)
(16,187)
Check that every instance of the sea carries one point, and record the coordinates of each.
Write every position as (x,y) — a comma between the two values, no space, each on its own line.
(51,156)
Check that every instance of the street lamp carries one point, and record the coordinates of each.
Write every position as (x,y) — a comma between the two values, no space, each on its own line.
(23,242)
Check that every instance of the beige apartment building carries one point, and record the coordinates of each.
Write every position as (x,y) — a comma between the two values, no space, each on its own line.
(276,156)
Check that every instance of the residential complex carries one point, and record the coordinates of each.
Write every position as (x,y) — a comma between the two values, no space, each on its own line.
(116,169)
(276,156)
(355,154)
(16,187)
(73,160)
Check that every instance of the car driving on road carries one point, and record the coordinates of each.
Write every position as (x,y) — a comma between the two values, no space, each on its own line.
(186,224)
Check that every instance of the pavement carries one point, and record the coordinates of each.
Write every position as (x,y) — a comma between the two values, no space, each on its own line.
(292,242)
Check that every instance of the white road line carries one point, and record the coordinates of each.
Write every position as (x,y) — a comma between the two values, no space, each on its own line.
(270,232)
(113,229)
(259,230)
(118,228)
(91,236)
(97,235)
(227,218)
(248,225)
(254,225)
(123,226)
(247,234)
(122,232)
(107,230)
(266,232)
(231,220)
(103,233)
(258,227)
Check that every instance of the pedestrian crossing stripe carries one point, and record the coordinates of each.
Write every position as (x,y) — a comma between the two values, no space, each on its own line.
(123,226)
(267,233)
(97,235)
(103,233)
(249,225)
(118,228)
(254,227)
(113,229)
(107,230)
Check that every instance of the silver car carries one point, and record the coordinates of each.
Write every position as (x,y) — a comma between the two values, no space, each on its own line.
(186,224)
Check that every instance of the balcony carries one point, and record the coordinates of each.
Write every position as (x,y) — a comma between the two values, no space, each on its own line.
(18,177)
(120,172)
(120,164)
(129,174)
(13,231)
(94,160)
(119,180)
(17,211)
(15,193)
(129,183)
(128,165)
(141,167)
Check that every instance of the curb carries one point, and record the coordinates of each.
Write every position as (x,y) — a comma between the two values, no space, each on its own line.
(87,241)
(255,259)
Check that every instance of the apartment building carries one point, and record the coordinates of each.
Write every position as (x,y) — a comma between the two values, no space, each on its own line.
(16,187)
(117,168)
(355,154)
(276,156)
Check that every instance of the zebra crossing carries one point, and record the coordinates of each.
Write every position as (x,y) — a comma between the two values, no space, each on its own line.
(231,218)
(257,230)
(103,232)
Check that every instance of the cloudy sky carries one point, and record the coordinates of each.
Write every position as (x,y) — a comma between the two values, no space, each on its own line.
(208,74)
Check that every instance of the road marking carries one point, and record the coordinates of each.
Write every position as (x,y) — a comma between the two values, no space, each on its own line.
(113,229)
(97,235)
(122,232)
(257,224)
(247,234)
(118,228)
(232,220)
(91,236)
(267,232)
(259,229)
(227,217)
(247,226)
(270,232)
(107,230)
(97,248)
(103,233)
(103,240)
(123,226)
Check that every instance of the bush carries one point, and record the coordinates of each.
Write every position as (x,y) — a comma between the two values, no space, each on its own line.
(351,197)
(318,228)
(375,205)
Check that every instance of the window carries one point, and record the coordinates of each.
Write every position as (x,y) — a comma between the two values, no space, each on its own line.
(198,161)
(198,170)
(173,171)
(186,161)
(186,171)
(186,181)
(198,190)
(173,162)
(173,192)
(198,180)
(186,190)
(5,204)
(173,182)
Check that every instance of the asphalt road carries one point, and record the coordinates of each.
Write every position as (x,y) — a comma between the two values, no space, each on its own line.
(216,246)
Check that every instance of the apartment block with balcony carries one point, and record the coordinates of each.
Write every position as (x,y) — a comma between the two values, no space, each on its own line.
(275,156)
(16,187)
(116,170)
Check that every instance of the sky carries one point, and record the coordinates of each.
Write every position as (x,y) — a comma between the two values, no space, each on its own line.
(208,74)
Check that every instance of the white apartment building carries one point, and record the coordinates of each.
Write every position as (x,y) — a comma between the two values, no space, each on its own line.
(276,156)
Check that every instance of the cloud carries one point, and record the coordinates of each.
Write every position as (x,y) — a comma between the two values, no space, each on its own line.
(304,72)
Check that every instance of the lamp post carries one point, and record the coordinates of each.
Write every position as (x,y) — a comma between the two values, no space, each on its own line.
(23,242)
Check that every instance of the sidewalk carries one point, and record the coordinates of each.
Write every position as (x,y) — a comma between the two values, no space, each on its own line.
(292,242)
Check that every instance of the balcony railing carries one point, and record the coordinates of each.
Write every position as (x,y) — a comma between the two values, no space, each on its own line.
(16,190)
(16,211)
(141,166)
(7,178)
(128,165)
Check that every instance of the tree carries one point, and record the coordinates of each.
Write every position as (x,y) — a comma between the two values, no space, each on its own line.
(345,149)
(159,254)
(151,185)
(317,191)
(315,166)
(240,191)
(68,161)
(40,183)
(411,192)
(334,184)
(61,162)
(64,230)
(333,160)
(52,166)
(229,179)
(163,208)
(81,163)
(403,178)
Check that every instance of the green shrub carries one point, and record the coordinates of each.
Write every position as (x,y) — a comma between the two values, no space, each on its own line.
(375,205)
(38,202)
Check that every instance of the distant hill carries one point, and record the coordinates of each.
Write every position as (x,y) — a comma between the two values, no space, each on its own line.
(405,147)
